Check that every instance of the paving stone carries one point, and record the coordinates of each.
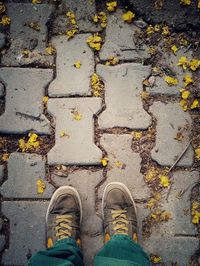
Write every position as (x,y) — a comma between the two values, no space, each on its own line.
(123,84)
(24,37)
(120,40)
(170,118)
(23,172)
(27,230)
(85,182)
(71,80)
(2,90)
(84,11)
(25,89)
(118,148)
(2,242)
(1,172)
(91,246)
(77,147)
(2,40)
(179,208)
(169,61)
(172,250)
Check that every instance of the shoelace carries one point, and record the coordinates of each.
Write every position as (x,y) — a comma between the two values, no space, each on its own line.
(120,221)
(63,227)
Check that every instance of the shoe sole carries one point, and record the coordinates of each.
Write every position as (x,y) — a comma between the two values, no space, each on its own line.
(64,190)
(125,188)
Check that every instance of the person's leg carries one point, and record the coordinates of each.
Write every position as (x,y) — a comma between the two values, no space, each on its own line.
(120,227)
(63,220)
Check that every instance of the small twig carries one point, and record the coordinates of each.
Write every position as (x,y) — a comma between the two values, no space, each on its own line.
(175,163)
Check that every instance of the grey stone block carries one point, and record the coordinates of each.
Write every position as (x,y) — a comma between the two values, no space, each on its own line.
(118,148)
(170,61)
(2,242)
(172,249)
(124,108)
(179,208)
(70,80)
(85,182)
(24,37)
(84,11)
(170,118)
(27,230)
(23,172)
(119,40)
(78,146)
(25,89)
(1,172)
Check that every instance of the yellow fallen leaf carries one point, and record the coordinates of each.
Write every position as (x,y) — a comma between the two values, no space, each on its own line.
(185,2)
(198,5)
(95,41)
(187,80)
(31,144)
(184,104)
(128,16)
(152,50)
(40,186)
(164,181)
(63,134)
(171,81)
(2,8)
(22,145)
(5,157)
(70,33)
(151,174)
(196,217)
(112,60)
(197,153)
(144,95)
(45,99)
(157,28)
(151,203)
(195,104)
(101,18)
(34,25)
(118,164)
(174,49)
(150,30)
(104,161)
(77,116)
(137,135)
(50,50)
(165,30)
(195,212)
(96,85)
(185,94)
(155,259)
(77,64)
(36,1)
(194,64)
(111,6)
(183,62)
(5,21)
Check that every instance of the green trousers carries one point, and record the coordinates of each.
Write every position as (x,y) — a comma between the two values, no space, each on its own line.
(120,250)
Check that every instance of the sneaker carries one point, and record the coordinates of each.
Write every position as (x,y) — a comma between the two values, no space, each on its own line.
(64,215)
(119,211)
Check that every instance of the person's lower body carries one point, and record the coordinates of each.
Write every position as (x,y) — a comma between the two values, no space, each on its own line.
(119,226)
(120,250)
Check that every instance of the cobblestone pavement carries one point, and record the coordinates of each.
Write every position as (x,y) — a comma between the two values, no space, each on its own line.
(75,111)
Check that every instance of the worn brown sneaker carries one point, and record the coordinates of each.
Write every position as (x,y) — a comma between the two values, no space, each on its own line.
(64,215)
(119,211)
